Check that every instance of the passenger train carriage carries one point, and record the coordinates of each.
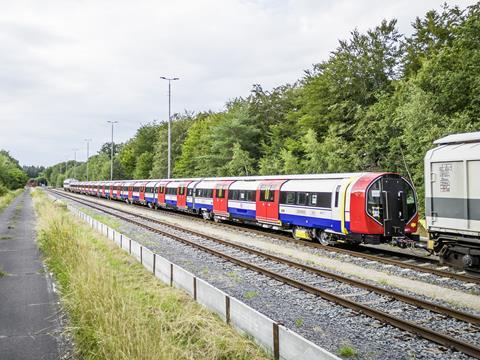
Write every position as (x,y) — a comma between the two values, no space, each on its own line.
(354,207)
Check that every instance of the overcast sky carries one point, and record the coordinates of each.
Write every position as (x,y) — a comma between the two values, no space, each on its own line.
(66,67)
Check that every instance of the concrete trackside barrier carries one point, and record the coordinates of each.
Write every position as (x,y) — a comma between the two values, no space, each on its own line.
(281,342)
(147,258)
(212,298)
(183,279)
(250,321)
(136,250)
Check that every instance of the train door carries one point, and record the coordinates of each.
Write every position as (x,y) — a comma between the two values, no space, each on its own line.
(220,197)
(394,206)
(182,195)
(268,200)
(142,193)
(130,192)
(161,191)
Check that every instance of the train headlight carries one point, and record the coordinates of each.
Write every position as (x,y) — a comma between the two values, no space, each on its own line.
(413,225)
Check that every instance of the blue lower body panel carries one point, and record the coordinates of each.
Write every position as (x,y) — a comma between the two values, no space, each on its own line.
(242,213)
(313,222)
(150,200)
(171,202)
(203,206)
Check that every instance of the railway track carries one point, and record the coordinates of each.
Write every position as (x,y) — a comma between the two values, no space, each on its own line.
(388,257)
(293,273)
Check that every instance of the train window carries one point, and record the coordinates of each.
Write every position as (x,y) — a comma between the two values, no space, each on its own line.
(374,201)
(161,189)
(181,190)
(242,195)
(250,195)
(337,194)
(267,195)
(322,200)
(287,197)
(199,192)
(190,192)
(220,193)
(208,193)
(172,191)
(301,198)
(233,195)
(411,201)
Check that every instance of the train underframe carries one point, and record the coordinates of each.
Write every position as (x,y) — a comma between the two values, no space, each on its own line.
(459,251)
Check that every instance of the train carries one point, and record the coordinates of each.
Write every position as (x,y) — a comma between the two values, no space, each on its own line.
(452,199)
(367,207)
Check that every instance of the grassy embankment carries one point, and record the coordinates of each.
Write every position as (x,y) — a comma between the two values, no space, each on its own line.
(7,198)
(117,309)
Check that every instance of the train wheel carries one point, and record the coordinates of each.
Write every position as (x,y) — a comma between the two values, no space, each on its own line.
(324,238)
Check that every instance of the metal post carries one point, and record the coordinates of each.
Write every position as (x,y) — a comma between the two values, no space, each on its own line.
(111,151)
(169,121)
(75,163)
(169,127)
(88,153)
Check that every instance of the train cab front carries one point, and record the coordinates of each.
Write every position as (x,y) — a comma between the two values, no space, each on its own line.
(388,210)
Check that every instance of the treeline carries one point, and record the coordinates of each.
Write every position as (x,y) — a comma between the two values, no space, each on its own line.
(12,175)
(376,103)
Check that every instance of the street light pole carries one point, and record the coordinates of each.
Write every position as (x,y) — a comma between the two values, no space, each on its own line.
(111,151)
(169,120)
(88,152)
(75,163)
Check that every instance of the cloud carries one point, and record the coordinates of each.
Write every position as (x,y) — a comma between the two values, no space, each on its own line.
(66,67)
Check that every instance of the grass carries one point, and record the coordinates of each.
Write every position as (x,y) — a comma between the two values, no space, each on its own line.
(250,294)
(6,199)
(347,351)
(2,273)
(118,310)
(234,276)
(299,322)
(107,220)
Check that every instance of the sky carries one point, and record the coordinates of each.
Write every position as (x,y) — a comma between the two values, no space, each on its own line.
(67,67)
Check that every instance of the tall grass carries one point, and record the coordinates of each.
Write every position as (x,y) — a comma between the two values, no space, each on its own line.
(7,198)
(117,309)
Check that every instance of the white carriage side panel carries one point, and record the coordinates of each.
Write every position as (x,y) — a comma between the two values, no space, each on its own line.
(247,205)
(473,173)
(321,213)
(203,201)
(446,208)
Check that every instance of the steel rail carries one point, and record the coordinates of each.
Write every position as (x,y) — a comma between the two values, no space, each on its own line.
(406,325)
(446,274)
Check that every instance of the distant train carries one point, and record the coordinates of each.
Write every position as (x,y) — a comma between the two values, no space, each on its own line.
(365,207)
(452,199)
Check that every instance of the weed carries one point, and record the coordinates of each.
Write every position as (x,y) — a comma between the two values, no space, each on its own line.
(250,294)
(2,273)
(5,237)
(7,198)
(299,322)
(347,351)
(234,276)
(384,282)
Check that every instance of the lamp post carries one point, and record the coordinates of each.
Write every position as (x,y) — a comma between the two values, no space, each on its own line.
(88,152)
(111,151)
(169,118)
(75,163)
